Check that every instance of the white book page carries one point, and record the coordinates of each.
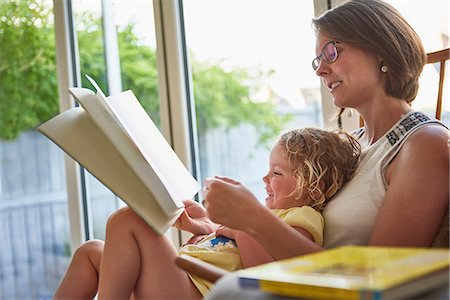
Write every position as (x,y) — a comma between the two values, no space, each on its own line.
(97,88)
(148,139)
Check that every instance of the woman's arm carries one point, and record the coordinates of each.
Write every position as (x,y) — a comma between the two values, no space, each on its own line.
(417,197)
(229,203)
(253,254)
(250,251)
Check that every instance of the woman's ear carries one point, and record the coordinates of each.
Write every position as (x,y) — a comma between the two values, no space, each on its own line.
(380,59)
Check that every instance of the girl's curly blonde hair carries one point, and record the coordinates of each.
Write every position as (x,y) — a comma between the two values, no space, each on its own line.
(322,161)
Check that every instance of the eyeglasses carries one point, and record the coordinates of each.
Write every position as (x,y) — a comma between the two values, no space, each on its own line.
(329,54)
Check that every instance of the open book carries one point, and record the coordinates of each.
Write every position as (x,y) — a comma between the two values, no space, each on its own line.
(117,142)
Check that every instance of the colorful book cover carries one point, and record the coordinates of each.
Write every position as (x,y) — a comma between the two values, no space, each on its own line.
(353,272)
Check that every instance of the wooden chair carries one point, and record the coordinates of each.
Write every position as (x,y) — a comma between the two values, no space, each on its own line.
(439,57)
(213,273)
(200,268)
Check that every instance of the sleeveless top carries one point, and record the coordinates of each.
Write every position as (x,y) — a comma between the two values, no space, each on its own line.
(350,217)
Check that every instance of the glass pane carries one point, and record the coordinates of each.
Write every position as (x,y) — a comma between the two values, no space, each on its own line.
(430,19)
(252,77)
(34,229)
(132,36)
(88,24)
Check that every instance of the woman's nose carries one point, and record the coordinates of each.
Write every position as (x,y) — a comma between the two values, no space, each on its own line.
(323,68)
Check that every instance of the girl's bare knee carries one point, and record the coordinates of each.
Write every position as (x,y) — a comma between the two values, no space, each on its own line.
(124,219)
(89,247)
(121,216)
(95,247)
(95,252)
(89,253)
(94,244)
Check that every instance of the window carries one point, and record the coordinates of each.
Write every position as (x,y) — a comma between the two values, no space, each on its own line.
(34,229)
(252,78)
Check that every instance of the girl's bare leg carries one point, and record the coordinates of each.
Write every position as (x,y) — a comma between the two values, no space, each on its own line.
(81,278)
(137,261)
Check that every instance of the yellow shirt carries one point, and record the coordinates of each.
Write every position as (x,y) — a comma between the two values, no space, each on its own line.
(223,252)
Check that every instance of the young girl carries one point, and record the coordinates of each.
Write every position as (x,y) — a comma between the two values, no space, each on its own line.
(307,168)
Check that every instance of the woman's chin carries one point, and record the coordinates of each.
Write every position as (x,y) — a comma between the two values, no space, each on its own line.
(337,102)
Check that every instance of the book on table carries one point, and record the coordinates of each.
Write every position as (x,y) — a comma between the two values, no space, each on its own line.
(353,272)
(118,143)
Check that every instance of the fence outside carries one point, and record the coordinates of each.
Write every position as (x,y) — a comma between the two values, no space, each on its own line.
(34,233)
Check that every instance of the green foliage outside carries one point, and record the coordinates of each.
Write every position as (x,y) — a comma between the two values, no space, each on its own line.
(222,99)
(28,90)
(28,79)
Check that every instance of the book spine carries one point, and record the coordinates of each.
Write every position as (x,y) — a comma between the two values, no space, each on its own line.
(308,291)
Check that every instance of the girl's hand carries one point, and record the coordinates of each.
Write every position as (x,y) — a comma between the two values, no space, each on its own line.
(230,203)
(194,219)
(226,232)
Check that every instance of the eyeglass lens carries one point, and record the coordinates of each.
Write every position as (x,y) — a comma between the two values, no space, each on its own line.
(329,54)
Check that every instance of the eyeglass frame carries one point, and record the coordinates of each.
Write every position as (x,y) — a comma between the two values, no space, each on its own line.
(321,55)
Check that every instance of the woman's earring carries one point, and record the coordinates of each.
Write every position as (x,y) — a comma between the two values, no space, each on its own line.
(384,69)
(350,113)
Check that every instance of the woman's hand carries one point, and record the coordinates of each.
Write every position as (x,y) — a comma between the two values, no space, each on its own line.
(230,203)
(194,219)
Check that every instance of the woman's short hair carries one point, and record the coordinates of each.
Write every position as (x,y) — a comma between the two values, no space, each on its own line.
(376,26)
(322,161)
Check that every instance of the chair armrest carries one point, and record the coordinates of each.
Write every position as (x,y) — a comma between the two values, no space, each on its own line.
(199,268)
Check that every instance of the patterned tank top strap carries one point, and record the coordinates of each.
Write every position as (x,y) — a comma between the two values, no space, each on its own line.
(404,127)
(398,135)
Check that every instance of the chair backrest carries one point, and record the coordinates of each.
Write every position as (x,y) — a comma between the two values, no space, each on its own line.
(439,57)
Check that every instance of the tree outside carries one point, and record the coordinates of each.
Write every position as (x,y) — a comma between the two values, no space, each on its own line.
(28,91)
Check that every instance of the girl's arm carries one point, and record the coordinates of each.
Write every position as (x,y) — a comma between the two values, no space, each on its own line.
(417,197)
(194,219)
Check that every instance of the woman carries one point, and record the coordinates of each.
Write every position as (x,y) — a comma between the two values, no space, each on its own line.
(370,59)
